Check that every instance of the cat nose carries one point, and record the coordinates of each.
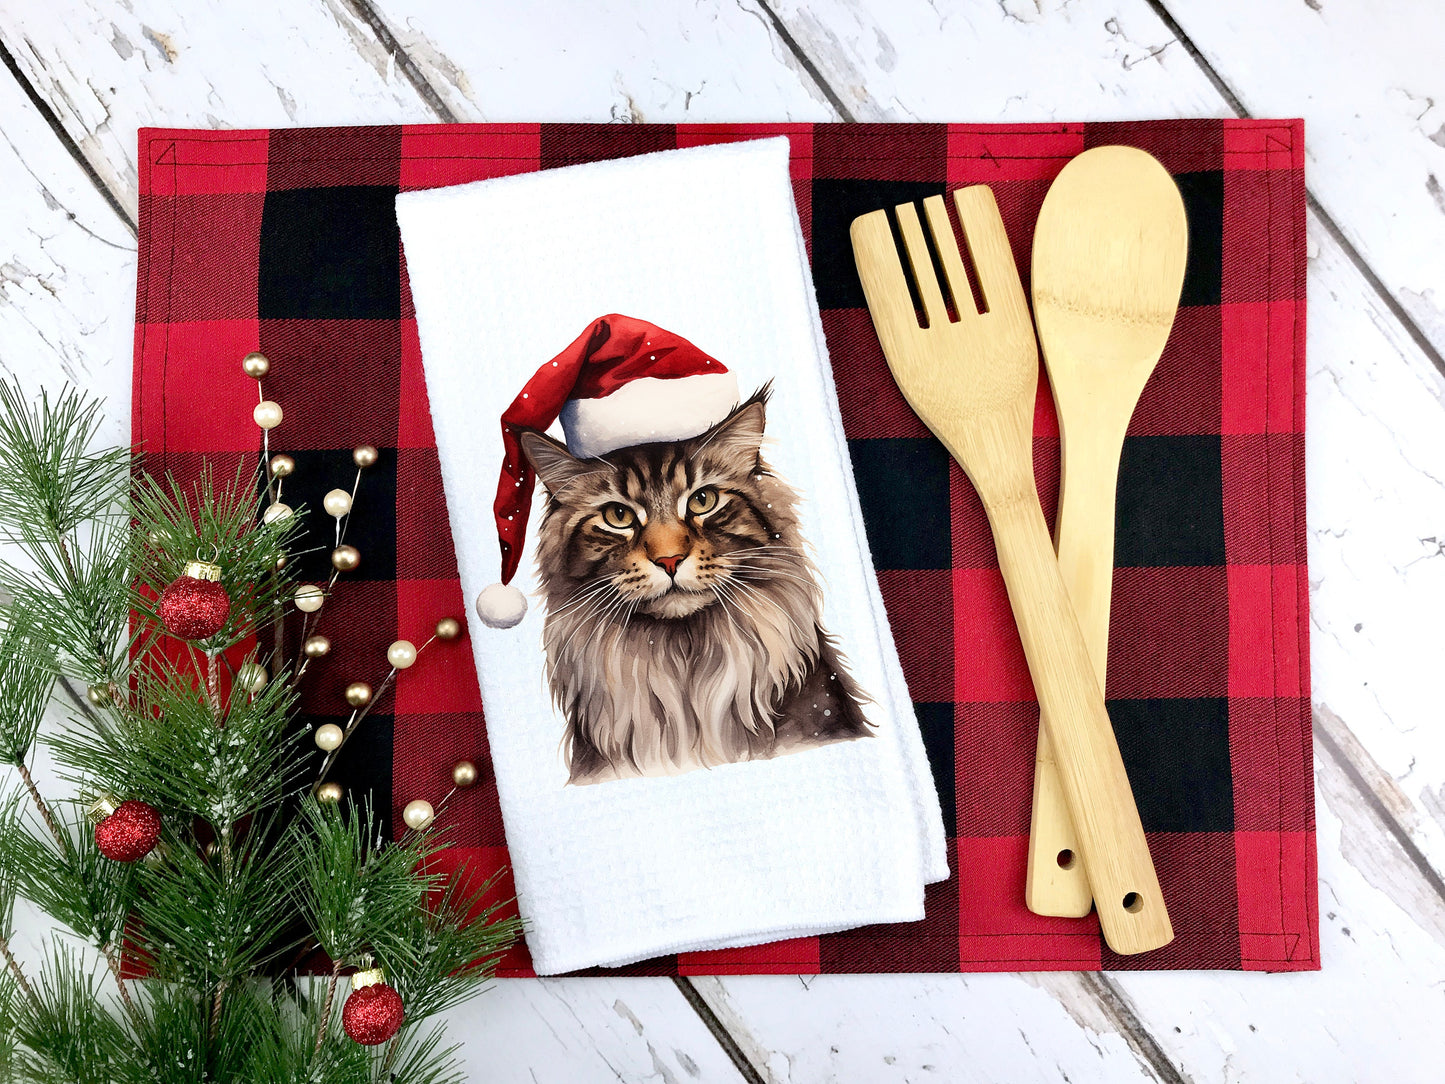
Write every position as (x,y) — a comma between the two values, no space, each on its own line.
(669,564)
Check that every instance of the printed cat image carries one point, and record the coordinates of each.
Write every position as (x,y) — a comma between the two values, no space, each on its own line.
(684,617)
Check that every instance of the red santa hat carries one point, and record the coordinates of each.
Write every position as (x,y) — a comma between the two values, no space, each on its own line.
(621,382)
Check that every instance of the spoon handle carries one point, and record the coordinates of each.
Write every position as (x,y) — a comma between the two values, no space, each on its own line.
(1057,881)
(1094,783)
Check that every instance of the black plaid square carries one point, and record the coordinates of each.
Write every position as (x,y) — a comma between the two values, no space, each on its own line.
(330,254)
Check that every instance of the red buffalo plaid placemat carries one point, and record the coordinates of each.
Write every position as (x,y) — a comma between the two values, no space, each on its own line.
(286,241)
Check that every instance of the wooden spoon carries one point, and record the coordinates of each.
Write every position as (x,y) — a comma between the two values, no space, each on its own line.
(1108,265)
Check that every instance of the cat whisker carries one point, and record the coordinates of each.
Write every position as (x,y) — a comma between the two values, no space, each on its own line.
(598,615)
(754,593)
(696,451)
(728,608)
(582,595)
(778,573)
(562,489)
(579,597)
(776,552)
(596,604)
(760,577)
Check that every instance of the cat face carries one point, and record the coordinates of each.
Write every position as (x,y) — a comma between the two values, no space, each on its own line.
(661,530)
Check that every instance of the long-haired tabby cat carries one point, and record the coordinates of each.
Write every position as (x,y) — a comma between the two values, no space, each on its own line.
(684,617)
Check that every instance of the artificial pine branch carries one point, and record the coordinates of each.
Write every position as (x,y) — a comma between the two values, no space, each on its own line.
(250,867)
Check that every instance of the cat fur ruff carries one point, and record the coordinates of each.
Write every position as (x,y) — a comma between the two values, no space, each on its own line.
(704,242)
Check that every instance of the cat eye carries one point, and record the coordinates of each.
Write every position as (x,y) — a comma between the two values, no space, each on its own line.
(702,501)
(618,515)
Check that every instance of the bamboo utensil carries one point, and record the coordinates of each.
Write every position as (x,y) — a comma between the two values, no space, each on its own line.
(1108,265)
(973,383)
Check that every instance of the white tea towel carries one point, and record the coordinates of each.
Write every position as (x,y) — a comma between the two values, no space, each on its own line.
(665,847)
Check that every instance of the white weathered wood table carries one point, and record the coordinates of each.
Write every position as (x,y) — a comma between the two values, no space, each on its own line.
(82,75)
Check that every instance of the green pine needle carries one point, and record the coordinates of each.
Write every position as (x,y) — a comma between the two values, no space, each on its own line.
(252,873)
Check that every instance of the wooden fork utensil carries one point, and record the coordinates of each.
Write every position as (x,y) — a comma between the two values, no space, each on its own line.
(973,381)
(1108,265)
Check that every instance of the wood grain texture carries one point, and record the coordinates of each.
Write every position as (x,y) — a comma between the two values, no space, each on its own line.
(969,1029)
(1376,499)
(618,60)
(1108,264)
(1367,78)
(107,68)
(973,380)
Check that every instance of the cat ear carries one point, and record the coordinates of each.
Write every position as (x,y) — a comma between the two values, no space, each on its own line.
(739,436)
(554,464)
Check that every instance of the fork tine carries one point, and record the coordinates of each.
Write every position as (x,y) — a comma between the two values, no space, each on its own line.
(998,277)
(923,276)
(881,271)
(947,247)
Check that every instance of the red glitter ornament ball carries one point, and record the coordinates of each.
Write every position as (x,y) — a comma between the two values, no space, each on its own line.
(373,1012)
(130,833)
(195,606)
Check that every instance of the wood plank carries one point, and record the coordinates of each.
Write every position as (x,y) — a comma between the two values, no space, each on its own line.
(1368,80)
(107,68)
(63,250)
(623,60)
(1372,1014)
(1016,60)
(981,1028)
(67,288)
(1128,55)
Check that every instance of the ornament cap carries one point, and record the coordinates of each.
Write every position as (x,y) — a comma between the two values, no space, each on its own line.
(370,977)
(101,807)
(203,570)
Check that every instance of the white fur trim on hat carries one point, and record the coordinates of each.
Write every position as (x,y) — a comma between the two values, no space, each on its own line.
(647,410)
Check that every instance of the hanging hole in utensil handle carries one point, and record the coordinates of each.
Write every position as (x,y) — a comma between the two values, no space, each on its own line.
(1066,859)
(1133,902)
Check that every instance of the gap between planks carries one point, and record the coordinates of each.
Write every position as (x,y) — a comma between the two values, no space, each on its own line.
(71,146)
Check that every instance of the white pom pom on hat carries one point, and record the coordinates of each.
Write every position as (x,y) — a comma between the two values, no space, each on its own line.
(501,606)
(621,382)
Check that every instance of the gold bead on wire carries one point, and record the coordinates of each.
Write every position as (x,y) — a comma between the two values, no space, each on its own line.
(464,773)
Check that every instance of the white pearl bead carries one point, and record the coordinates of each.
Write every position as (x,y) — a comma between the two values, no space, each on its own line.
(337,503)
(401,654)
(275,512)
(418,814)
(309,598)
(251,677)
(328,736)
(268,415)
